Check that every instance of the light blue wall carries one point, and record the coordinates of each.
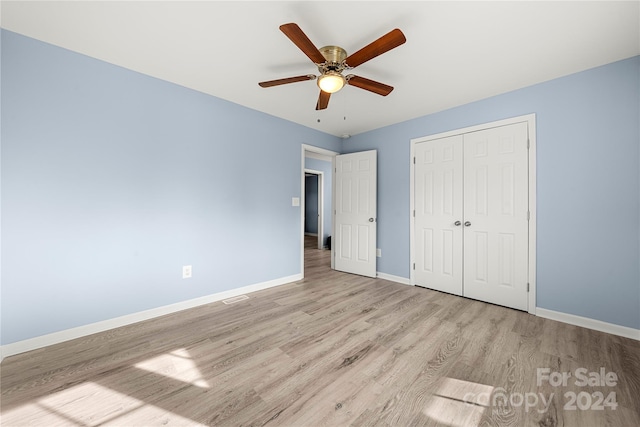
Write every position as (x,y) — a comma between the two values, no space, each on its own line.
(112,181)
(311,204)
(324,167)
(588,186)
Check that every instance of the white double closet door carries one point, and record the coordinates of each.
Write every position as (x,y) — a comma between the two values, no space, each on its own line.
(471,215)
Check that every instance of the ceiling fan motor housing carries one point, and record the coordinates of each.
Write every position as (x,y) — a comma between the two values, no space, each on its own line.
(335,55)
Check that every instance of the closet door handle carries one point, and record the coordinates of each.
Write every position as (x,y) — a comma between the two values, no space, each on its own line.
(457,223)
(467,223)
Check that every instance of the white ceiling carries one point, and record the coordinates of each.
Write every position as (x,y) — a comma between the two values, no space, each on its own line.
(456,52)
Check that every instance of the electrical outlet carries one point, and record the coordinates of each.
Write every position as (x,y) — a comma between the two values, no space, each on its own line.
(378,252)
(186,271)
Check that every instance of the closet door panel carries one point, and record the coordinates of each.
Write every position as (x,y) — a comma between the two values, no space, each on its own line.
(495,215)
(438,202)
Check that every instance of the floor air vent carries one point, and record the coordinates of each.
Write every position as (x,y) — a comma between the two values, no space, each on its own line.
(235,299)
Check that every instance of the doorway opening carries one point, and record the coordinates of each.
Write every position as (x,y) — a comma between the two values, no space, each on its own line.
(317,164)
(313,206)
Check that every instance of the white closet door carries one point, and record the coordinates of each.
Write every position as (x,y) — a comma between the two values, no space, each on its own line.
(438,205)
(355,217)
(495,215)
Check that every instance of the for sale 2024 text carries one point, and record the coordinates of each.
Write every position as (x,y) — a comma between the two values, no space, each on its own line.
(582,377)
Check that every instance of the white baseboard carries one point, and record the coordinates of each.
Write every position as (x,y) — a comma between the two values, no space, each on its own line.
(81,331)
(585,322)
(571,319)
(69,334)
(311,234)
(392,278)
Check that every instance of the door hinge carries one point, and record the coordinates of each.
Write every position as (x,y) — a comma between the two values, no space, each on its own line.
(414,160)
(414,265)
(528,144)
(414,213)
(528,215)
(527,287)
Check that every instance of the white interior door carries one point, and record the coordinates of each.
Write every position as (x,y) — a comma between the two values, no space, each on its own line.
(496,215)
(438,214)
(355,213)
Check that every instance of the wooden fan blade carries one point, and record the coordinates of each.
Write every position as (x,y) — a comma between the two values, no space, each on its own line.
(301,40)
(279,82)
(323,100)
(370,85)
(391,40)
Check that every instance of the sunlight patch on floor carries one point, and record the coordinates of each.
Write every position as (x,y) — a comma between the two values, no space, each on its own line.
(37,415)
(90,404)
(177,365)
(86,404)
(458,403)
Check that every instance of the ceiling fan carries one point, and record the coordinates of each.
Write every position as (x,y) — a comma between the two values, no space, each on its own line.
(333,60)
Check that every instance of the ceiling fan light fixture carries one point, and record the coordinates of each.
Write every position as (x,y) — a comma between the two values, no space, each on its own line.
(331,82)
(333,60)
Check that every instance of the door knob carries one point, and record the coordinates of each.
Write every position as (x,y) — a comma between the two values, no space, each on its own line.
(467,223)
(371,219)
(457,223)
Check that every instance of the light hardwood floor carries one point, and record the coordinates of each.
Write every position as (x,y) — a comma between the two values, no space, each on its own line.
(331,350)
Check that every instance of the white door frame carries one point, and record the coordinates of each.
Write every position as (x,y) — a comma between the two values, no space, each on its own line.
(320,217)
(323,152)
(530,119)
